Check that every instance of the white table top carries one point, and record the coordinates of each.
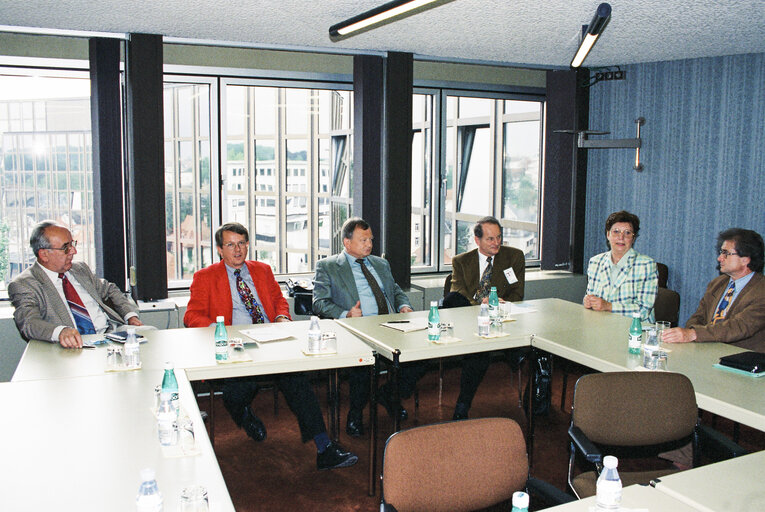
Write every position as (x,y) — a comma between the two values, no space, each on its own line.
(735,484)
(635,497)
(80,443)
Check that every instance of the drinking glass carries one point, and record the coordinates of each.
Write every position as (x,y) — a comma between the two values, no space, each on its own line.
(660,328)
(194,499)
(650,339)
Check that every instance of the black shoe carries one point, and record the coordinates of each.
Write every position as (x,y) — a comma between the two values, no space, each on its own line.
(460,412)
(354,426)
(253,426)
(384,400)
(334,457)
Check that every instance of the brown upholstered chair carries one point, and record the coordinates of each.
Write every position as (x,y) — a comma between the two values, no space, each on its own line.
(458,466)
(623,412)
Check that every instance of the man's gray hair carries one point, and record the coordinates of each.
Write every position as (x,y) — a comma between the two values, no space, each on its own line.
(38,240)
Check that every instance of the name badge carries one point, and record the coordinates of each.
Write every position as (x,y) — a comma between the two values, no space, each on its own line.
(510,276)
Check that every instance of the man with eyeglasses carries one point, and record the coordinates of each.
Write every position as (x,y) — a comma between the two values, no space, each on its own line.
(58,299)
(732,309)
(246,292)
(473,274)
(621,280)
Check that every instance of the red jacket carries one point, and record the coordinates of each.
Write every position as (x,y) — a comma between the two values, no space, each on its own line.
(211,294)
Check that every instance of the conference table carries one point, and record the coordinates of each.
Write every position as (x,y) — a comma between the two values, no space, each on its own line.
(83,433)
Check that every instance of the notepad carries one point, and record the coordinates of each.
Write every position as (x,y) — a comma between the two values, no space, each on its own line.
(414,324)
(265,335)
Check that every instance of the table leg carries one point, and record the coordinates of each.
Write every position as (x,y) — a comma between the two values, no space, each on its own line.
(374,371)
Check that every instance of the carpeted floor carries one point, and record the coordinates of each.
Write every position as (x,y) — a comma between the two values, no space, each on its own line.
(280,473)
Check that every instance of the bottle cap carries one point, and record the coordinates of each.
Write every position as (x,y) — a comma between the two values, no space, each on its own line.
(610,461)
(636,314)
(131,330)
(493,289)
(219,318)
(168,365)
(147,474)
(314,317)
(433,303)
(520,499)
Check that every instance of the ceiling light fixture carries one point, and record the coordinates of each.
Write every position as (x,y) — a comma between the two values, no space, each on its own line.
(375,16)
(591,33)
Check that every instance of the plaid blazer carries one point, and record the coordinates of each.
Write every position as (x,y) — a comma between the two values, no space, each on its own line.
(635,287)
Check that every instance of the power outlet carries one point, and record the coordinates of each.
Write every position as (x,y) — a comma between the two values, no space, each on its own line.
(609,75)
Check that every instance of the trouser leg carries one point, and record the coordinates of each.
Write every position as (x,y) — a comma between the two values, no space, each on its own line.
(358,388)
(303,403)
(474,368)
(238,393)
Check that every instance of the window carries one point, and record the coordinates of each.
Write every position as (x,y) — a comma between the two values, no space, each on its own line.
(46,166)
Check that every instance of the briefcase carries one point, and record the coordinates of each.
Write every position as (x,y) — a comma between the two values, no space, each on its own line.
(752,362)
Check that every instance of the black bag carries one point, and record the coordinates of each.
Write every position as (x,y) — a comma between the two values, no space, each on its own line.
(541,386)
(302,292)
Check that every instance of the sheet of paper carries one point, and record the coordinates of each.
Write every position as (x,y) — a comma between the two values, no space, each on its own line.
(414,324)
(511,308)
(266,334)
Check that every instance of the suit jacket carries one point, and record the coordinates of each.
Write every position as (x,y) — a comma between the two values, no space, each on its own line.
(334,288)
(39,308)
(211,294)
(635,287)
(465,274)
(744,323)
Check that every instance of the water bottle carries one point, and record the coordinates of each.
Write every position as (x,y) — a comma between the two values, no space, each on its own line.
(494,306)
(166,417)
(608,489)
(149,498)
(484,321)
(314,335)
(221,340)
(520,502)
(636,333)
(170,386)
(434,322)
(132,350)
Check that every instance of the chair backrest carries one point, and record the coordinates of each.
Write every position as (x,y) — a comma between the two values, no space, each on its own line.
(663,272)
(454,466)
(447,285)
(634,408)
(667,306)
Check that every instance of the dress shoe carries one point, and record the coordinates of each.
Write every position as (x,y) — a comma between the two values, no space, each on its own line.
(253,426)
(460,412)
(384,400)
(334,457)
(354,426)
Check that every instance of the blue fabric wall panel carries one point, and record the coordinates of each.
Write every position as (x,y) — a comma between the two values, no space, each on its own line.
(704,157)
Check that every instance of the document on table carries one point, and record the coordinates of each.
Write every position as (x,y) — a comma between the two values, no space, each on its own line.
(511,308)
(264,335)
(414,324)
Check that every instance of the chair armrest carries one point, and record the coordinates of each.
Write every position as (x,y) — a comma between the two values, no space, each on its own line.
(716,446)
(548,493)
(584,445)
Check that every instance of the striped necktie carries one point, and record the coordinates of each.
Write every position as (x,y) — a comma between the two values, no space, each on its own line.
(484,285)
(79,312)
(723,307)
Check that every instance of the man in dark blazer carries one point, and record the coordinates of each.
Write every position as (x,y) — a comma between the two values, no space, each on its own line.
(341,289)
(732,309)
(42,311)
(473,274)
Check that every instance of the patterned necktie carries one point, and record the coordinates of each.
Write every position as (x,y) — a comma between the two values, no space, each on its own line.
(382,306)
(484,285)
(253,308)
(723,307)
(79,312)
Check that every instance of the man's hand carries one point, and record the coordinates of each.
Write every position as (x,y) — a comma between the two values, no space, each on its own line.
(282,319)
(355,310)
(134,320)
(405,309)
(678,335)
(70,338)
(596,303)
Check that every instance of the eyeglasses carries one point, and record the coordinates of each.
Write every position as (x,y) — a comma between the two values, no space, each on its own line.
(67,247)
(724,253)
(627,233)
(241,244)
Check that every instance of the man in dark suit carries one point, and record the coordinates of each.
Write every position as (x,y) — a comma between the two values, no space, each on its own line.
(58,300)
(245,292)
(732,309)
(355,283)
(473,274)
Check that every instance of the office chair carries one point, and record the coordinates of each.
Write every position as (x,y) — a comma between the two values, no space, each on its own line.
(458,466)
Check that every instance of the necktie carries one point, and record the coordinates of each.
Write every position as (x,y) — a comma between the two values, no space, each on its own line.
(253,308)
(723,307)
(79,312)
(484,285)
(382,306)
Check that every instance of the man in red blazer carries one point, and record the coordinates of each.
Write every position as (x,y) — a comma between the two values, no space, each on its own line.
(245,292)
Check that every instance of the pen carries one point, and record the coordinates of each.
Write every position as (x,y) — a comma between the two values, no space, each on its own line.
(88,346)
(398,322)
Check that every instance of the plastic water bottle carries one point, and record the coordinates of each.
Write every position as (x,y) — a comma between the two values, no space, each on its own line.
(434,322)
(132,350)
(520,502)
(314,335)
(608,490)
(149,498)
(170,386)
(484,321)
(221,340)
(166,416)
(636,334)
(494,306)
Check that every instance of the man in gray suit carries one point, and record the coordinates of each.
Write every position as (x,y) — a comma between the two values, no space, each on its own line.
(45,308)
(355,283)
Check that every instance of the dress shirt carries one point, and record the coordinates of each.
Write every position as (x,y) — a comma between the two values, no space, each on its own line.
(366,297)
(740,283)
(239,314)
